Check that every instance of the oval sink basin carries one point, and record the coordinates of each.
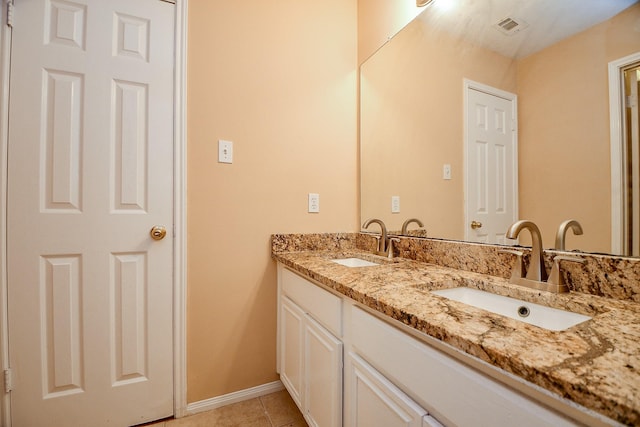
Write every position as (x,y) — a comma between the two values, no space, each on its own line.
(354,262)
(535,314)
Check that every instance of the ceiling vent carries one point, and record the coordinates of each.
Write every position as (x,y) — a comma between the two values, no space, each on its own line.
(510,25)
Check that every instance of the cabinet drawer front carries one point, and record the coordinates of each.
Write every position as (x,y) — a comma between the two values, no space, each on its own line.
(453,392)
(375,401)
(323,306)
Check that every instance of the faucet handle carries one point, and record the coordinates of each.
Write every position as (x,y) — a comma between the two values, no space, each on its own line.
(516,271)
(392,240)
(377,237)
(556,277)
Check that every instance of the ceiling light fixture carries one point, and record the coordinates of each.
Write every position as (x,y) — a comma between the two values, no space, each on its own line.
(421,3)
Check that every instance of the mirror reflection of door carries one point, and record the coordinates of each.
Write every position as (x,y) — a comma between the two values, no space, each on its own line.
(491,163)
(632,146)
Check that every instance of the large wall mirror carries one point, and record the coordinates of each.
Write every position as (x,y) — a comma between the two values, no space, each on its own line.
(412,119)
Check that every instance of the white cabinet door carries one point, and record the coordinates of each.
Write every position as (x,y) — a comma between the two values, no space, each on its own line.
(323,376)
(373,401)
(291,348)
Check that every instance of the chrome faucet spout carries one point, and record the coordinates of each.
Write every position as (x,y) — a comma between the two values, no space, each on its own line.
(536,270)
(562,232)
(405,225)
(382,244)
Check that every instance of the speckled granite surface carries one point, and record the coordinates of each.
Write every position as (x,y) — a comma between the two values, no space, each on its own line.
(603,275)
(595,364)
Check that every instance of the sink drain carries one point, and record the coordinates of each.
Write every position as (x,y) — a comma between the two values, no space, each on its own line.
(523,311)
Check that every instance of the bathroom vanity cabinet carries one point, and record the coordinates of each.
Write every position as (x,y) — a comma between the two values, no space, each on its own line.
(309,348)
(390,377)
(453,392)
(465,365)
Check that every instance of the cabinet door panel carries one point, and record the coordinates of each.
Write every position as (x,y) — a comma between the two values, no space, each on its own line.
(375,402)
(291,342)
(323,374)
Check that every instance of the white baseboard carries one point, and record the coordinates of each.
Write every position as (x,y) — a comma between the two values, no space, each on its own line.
(238,396)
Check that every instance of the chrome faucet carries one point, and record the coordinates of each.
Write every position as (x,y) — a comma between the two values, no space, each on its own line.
(405,225)
(383,241)
(536,269)
(562,232)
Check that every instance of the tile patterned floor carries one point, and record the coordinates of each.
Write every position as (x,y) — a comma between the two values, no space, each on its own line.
(272,410)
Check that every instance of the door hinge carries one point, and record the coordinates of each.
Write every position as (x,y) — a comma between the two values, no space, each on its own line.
(8,381)
(10,13)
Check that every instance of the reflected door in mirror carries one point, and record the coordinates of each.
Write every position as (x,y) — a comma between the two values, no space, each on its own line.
(491,163)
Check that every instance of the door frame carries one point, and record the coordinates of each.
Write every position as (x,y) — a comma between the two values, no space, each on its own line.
(618,166)
(179,207)
(511,97)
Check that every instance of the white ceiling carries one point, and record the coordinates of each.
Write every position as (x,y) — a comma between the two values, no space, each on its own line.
(549,20)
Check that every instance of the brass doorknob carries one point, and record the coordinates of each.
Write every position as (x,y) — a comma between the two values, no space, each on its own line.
(158,232)
(476,224)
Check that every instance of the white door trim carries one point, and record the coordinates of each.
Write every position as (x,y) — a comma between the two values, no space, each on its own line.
(180,208)
(470,84)
(5,52)
(180,214)
(618,167)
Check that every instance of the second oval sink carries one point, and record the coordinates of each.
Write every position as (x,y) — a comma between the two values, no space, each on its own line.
(354,262)
(535,314)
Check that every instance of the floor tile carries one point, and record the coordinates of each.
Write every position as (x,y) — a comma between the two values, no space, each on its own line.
(272,410)
(301,423)
(249,413)
(282,410)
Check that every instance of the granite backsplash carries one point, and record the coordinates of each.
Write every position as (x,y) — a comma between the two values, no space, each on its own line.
(601,275)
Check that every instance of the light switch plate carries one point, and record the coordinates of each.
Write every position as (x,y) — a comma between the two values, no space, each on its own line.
(225,151)
(446,171)
(314,203)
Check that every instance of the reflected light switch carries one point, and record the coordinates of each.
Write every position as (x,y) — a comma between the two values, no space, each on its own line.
(395,204)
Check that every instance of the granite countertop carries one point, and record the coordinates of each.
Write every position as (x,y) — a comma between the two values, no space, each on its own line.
(595,364)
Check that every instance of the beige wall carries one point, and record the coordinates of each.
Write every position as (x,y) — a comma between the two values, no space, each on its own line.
(380,20)
(279,80)
(564,145)
(412,124)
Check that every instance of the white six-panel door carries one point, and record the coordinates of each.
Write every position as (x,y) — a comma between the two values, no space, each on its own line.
(491,171)
(90,173)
